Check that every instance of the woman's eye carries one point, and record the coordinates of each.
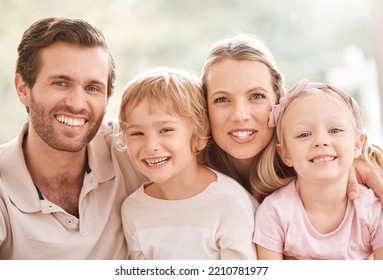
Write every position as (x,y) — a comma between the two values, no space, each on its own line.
(220,100)
(257,96)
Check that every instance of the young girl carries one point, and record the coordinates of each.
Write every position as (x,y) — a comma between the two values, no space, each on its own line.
(241,83)
(186,210)
(319,129)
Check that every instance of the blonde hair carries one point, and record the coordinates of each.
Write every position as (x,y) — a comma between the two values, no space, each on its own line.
(370,153)
(176,91)
(267,165)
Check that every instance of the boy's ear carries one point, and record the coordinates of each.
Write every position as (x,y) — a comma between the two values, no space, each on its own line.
(283,153)
(23,90)
(361,138)
(199,144)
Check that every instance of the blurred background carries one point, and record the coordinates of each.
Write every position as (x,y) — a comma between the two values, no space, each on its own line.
(334,41)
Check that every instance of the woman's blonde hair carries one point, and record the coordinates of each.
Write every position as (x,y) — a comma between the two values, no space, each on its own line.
(268,169)
(176,91)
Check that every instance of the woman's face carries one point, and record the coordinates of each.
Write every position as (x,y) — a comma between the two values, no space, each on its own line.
(240,97)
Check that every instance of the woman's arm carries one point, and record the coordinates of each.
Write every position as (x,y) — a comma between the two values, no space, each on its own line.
(366,174)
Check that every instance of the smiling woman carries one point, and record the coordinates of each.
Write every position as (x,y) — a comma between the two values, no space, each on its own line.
(291,31)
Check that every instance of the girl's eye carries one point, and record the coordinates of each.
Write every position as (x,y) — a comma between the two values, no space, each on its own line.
(335,130)
(220,100)
(304,135)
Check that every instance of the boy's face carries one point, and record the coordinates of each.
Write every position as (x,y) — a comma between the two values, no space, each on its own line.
(159,144)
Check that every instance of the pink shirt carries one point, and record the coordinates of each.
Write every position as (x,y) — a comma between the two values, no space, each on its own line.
(35,228)
(282,225)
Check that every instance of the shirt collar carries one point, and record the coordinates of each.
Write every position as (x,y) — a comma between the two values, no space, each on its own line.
(18,182)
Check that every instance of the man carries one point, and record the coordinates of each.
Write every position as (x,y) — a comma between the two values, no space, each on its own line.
(61,185)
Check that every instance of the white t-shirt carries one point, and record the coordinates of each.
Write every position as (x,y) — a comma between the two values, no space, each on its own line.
(218,223)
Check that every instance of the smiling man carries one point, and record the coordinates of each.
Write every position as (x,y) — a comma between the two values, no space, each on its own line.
(61,182)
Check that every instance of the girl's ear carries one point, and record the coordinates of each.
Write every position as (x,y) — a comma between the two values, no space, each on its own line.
(360,139)
(284,154)
(23,90)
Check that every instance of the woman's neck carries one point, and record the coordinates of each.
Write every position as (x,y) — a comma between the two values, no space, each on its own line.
(242,166)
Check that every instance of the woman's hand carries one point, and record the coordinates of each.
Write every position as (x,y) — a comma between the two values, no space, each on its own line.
(366,174)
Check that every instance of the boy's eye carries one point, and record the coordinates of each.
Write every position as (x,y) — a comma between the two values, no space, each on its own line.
(136,133)
(164,130)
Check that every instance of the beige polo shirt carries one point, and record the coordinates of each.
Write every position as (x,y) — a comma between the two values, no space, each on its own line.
(31,227)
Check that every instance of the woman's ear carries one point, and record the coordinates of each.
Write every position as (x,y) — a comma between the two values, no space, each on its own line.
(283,153)
(23,90)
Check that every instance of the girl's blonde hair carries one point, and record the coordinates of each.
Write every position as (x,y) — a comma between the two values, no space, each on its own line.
(176,91)
(370,153)
(268,169)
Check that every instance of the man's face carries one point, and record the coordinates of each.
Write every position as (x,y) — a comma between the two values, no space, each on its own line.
(68,100)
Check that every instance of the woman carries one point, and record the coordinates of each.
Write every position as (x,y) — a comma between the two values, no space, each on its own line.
(241,83)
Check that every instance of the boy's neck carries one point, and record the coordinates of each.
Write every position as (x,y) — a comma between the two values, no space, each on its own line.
(186,186)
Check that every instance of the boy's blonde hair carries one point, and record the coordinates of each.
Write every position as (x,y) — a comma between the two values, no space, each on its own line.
(175,91)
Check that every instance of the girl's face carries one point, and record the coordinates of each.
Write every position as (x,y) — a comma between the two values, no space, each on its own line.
(240,97)
(159,143)
(319,138)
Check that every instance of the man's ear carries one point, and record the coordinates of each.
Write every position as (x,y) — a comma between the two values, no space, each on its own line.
(23,90)
(283,153)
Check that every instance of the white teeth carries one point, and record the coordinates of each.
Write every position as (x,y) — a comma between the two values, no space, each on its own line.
(323,159)
(242,134)
(156,162)
(70,121)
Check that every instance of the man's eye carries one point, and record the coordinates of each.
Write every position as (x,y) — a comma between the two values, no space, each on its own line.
(91,88)
(60,83)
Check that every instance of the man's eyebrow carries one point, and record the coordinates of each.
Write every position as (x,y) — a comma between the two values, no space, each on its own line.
(62,77)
